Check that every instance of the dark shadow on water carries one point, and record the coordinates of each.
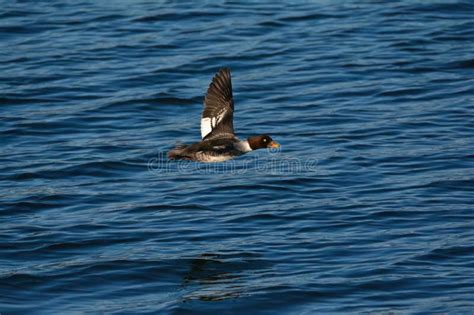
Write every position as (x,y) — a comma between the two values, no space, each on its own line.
(211,279)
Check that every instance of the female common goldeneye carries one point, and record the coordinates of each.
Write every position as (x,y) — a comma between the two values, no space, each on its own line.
(219,142)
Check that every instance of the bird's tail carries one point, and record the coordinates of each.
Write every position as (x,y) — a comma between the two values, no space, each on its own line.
(178,153)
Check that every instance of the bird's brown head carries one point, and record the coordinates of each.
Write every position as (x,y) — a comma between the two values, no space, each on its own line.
(261,142)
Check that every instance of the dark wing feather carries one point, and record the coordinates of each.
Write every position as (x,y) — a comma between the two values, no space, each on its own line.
(217,117)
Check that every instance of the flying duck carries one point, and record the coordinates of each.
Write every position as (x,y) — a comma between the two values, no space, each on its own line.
(219,142)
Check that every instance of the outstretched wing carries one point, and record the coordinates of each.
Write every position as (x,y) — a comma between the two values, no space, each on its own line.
(217,117)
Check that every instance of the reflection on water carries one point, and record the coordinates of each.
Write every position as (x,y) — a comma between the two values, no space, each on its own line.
(211,279)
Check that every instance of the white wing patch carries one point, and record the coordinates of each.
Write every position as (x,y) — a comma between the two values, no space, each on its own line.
(209,123)
(206,127)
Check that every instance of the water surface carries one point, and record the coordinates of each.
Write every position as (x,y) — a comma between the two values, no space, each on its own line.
(366,209)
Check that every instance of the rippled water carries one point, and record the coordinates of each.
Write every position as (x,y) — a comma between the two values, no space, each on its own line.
(366,209)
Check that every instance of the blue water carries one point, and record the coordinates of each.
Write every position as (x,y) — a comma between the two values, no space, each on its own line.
(367,208)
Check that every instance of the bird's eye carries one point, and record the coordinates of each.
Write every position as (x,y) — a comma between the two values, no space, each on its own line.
(264,140)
